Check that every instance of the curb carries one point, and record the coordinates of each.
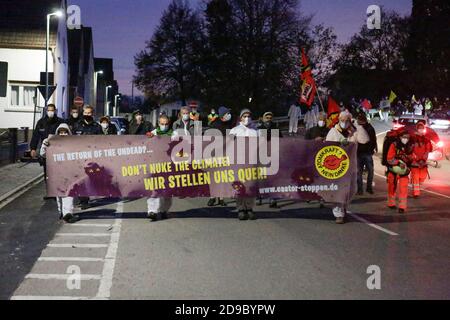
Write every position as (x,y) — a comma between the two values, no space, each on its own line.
(20,188)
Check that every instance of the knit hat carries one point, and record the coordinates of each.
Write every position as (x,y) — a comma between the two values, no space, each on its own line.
(244,112)
(223,111)
(267,114)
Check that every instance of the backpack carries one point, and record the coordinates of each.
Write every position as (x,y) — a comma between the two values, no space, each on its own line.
(390,138)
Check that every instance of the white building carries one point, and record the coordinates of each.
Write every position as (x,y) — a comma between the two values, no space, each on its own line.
(22,47)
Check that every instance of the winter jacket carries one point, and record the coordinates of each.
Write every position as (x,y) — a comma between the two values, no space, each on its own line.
(243,131)
(45,127)
(141,129)
(87,129)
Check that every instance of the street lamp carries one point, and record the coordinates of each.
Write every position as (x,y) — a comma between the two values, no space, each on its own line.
(57,14)
(96,73)
(116,98)
(106,100)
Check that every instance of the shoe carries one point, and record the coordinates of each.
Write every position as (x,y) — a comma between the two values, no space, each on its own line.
(212,202)
(251,215)
(152,216)
(360,193)
(392,207)
(70,218)
(370,191)
(222,203)
(401,210)
(243,215)
(164,216)
(340,221)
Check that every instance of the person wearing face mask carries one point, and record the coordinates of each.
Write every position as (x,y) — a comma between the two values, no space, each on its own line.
(184,125)
(74,117)
(224,124)
(344,133)
(319,132)
(245,205)
(367,147)
(44,127)
(139,126)
(108,129)
(399,159)
(65,204)
(87,126)
(212,117)
(421,149)
(265,127)
(158,208)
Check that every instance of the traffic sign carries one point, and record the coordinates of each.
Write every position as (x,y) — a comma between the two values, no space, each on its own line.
(51,90)
(78,102)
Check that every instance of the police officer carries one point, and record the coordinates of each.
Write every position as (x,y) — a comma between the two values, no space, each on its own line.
(87,125)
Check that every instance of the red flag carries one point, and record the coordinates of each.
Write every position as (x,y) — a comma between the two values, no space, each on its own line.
(366,104)
(333,112)
(308,85)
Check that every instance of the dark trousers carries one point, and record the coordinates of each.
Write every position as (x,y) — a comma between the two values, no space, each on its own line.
(365,160)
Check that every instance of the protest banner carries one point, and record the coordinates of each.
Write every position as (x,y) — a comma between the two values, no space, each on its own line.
(137,166)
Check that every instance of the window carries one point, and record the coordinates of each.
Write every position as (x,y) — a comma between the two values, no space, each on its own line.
(22,96)
(15,95)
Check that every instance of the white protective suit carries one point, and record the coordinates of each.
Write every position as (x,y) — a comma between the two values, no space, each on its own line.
(335,135)
(244,204)
(310,119)
(65,204)
(294,116)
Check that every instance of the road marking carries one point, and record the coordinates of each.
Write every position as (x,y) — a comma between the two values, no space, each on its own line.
(373,225)
(70,259)
(76,245)
(380,134)
(421,189)
(41,298)
(93,225)
(16,193)
(84,277)
(95,235)
(104,290)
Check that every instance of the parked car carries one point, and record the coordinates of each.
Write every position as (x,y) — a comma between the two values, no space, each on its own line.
(121,125)
(440,121)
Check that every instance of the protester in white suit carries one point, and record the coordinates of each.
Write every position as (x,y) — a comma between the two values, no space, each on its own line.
(245,128)
(294,115)
(310,119)
(65,204)
(344,133)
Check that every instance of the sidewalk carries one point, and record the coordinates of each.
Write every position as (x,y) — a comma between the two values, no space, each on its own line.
(14,176)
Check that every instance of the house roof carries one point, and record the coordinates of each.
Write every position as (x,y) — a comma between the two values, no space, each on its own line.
(23,23)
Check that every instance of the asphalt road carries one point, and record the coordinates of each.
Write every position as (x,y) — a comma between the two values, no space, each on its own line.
(296,252)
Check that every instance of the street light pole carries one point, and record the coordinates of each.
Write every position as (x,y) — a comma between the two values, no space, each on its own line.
(47,45)
(96,73)
(106,100)
(116,104)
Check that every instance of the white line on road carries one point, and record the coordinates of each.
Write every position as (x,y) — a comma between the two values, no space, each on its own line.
(14,194)
(46,298)
(424,190)
(70,259)
(76,245)
(93,225)
(83,277)
(95,235)
(104,290)
(373,225)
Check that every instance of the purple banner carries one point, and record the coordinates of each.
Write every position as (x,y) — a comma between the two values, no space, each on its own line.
(138,166)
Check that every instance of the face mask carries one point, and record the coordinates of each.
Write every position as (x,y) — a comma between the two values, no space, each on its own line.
(88,118)
(246,121)
(185,117)
(227,117)
(321,124)
(405,141)
(51,114)
(422,132)
(343,124)
(105,125)
(164,128)
(75,115)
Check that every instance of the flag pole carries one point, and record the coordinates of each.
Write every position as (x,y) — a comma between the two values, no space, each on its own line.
(318,96)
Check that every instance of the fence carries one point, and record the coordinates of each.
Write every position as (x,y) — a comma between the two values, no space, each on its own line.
(13,144)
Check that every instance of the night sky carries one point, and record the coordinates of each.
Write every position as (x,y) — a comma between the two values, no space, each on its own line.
(121,27)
